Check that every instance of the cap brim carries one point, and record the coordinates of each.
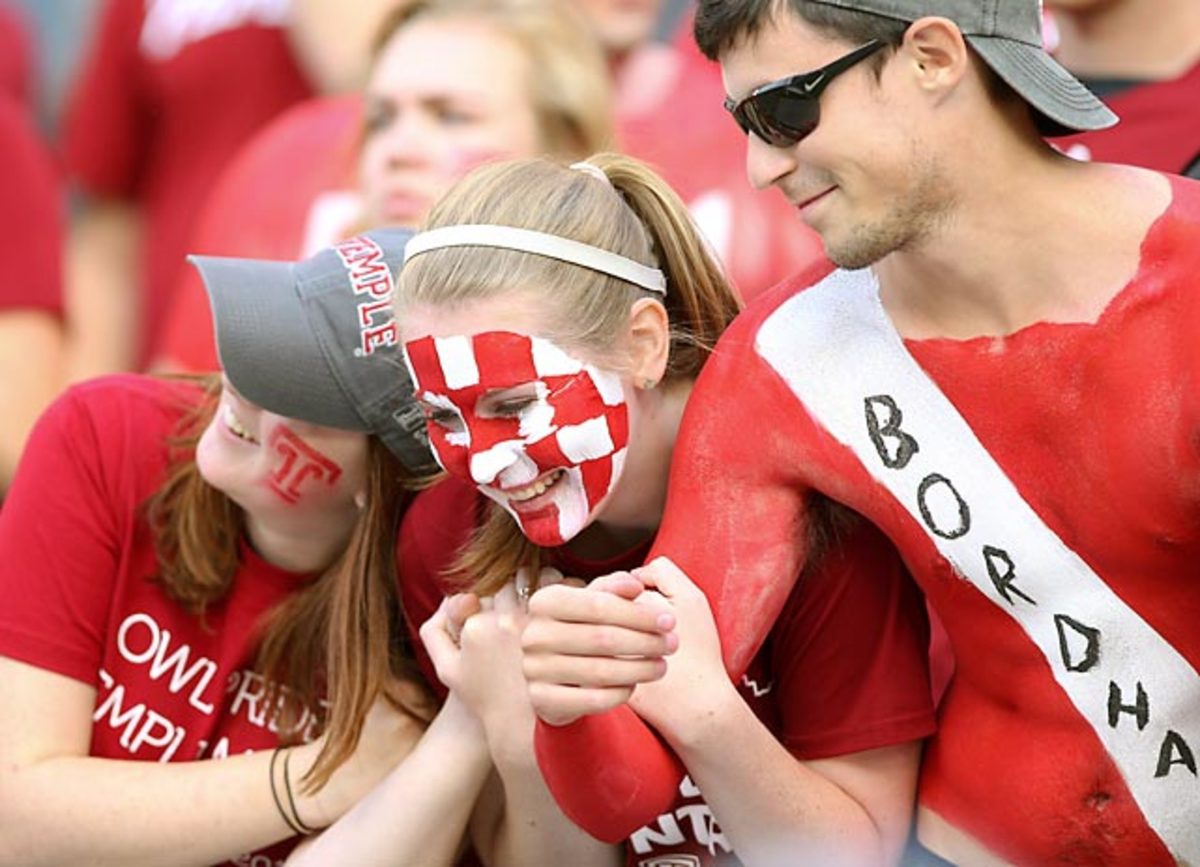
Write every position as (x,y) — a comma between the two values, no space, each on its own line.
(1065,105)
(266,345)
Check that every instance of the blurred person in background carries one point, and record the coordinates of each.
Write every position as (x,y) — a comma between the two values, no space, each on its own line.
(167,94)
(17,55)
(31,339)
(1142,57)
(668,113)
(452,83)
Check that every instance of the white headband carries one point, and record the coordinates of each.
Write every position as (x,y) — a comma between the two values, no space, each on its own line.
(540,244)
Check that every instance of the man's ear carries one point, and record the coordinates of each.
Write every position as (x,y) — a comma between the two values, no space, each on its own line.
(650,341)
(938,54)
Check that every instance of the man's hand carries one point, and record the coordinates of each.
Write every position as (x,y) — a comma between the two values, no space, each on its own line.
(587,648)
(695,684)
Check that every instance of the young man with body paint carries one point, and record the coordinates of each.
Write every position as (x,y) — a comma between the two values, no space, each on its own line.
(1002,375)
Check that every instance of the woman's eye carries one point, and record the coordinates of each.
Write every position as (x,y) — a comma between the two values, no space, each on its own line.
(451,116)
(444,418)
(377,117)
(513,407)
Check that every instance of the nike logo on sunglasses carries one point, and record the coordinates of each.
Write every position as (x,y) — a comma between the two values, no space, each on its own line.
(810,86)
(783,112)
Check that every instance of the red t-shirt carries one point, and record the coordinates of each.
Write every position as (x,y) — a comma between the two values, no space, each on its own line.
(1159,128)
(1096,426)
(76,566)
(689,138)
(843,669)
(30,216)
(286,194)
(16,56)
(168,93)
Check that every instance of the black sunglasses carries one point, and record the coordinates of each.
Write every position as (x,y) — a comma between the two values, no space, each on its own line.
(783,112)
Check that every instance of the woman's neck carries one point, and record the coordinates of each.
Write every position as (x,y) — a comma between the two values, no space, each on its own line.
(299,549)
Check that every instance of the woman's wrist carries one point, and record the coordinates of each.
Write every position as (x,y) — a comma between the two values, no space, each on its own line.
(319,809)
(691,727)
(509,733)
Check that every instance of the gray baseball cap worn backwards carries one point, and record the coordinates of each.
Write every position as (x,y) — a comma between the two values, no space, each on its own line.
(317,340)
(1007,34)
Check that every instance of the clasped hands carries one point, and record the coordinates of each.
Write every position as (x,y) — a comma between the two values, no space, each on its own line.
(645,637)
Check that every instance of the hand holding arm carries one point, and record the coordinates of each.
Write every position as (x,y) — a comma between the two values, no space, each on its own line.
(586,648)
(418,815)
(517,821)
(773,808)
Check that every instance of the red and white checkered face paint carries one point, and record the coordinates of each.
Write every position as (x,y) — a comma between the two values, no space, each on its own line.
(541,433)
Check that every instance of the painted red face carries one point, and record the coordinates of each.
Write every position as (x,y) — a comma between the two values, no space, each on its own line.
(538,431)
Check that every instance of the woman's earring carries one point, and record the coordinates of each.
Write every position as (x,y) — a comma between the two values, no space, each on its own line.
(648,384)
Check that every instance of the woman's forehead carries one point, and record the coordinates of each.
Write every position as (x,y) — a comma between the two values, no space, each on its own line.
(487,361)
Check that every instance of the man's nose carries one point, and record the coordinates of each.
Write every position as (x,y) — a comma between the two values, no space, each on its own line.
(766,165)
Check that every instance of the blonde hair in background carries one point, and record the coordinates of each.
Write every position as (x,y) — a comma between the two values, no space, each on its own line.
(635,214)
(569,79)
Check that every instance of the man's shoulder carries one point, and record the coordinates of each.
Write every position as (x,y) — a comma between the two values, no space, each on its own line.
(764,305)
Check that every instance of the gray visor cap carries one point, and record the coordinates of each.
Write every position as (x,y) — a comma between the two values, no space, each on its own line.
(291,336)
(1007,34)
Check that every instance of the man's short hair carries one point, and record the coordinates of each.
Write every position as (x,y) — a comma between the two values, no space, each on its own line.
(721,24)
(1004,34)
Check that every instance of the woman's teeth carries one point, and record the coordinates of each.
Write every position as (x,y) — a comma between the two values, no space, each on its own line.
(235,425)
(539,487)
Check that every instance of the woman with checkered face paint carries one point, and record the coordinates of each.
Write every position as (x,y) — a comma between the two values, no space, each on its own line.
(554,320)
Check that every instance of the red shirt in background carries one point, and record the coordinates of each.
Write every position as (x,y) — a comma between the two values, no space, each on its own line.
(286,194)
(16,56)
(168,93)
(1159,128)
(843,669)
(31,215)
(77,561)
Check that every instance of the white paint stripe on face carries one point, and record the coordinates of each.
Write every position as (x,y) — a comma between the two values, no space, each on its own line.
(587,441)
(412,374)
(608,384)
(537,421)
(521,471)
(571,498)
(1100,651)
(457,358)
(487,465)
(549,360)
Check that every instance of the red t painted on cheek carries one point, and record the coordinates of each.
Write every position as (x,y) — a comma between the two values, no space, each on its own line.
(298,466)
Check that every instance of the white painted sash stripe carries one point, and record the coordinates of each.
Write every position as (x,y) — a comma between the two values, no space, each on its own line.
(839,353)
